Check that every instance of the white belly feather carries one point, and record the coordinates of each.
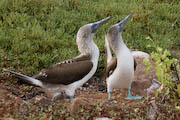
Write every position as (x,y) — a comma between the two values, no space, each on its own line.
(123,75)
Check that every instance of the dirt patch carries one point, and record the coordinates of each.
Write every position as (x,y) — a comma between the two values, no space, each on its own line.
(90,101)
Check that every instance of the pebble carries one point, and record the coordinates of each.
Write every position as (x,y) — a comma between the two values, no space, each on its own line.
(103,118)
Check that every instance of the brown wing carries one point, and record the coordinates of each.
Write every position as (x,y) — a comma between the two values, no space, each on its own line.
(65,73)
(76,59)
(82,58)
(112,65)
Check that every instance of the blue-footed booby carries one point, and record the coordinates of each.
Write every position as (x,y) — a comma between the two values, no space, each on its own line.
(119,70)
(70,74)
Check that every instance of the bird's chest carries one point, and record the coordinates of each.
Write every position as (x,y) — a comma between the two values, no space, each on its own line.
(125,62)
(121,78)
(124,72)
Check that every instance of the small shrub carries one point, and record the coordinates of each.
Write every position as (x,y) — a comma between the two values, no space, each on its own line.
(166,68)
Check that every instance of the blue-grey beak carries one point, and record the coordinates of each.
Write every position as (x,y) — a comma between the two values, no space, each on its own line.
(122,23)
(98,24)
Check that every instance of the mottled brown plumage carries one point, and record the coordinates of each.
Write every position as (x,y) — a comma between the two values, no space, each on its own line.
(67,72)
(111,66)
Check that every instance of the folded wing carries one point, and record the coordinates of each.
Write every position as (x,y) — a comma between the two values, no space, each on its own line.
(67,72)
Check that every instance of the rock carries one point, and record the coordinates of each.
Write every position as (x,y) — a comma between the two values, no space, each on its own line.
(141,55)
(143,80)
(103,118)
(154,86)
(140,87)
(77,104)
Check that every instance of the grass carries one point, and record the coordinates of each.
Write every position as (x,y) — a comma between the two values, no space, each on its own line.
(36,34)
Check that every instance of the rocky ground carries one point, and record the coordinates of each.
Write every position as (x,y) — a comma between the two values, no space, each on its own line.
(21,101)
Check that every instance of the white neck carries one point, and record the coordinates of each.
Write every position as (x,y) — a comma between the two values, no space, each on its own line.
(119,46)
(93,50)
(121,50)
(89,47)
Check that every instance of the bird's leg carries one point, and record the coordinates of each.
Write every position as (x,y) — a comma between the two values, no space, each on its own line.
(109,99)
(130,97)
(71,98)
(109,96)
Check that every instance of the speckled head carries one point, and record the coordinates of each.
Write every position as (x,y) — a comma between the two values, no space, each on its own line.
(98,24)
(88,30)
(86,33)
(114,33)
(122,23)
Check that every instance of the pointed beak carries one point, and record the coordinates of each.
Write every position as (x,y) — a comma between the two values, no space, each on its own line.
(98,24)
(122,23)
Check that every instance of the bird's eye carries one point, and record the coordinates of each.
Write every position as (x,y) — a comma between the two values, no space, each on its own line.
(120,27)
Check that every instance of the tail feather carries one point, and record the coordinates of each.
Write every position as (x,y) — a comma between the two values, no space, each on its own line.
(25,78)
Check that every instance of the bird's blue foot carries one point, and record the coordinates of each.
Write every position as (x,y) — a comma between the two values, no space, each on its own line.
(134,97)
(112,102)
(71,98)
(109,99)
(130,97)
(109,96)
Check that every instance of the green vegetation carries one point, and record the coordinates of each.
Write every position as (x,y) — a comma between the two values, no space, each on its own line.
(36,34)
(167,69)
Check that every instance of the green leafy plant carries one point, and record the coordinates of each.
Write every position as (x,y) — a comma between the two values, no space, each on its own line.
(167,69)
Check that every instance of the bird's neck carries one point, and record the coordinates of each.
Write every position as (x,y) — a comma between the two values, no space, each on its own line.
(121,51)
(119,47)
(89,48)
(94,52)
